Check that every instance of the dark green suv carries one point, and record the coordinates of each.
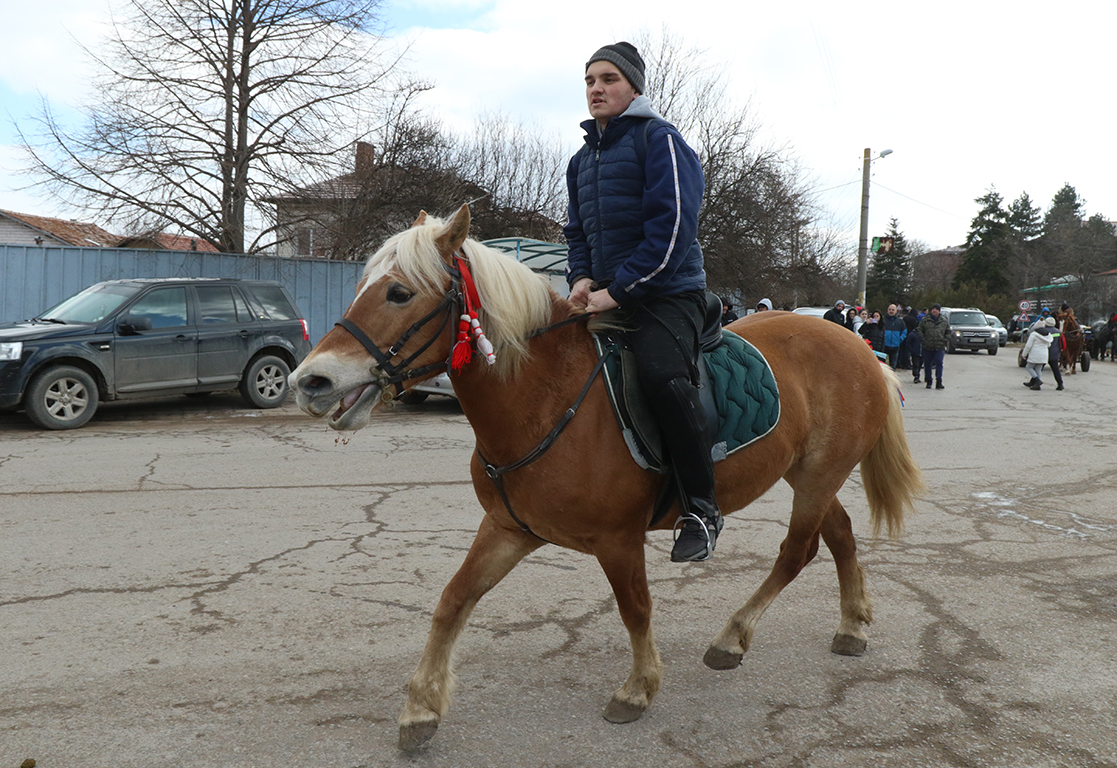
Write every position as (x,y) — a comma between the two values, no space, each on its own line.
(152,337)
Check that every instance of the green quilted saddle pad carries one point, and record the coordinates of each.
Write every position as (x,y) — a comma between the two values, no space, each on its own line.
(739,380)
(745,393)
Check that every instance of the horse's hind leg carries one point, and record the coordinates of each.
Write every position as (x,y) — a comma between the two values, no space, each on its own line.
(797,549)
(625,569)
(856,607)
(495,552)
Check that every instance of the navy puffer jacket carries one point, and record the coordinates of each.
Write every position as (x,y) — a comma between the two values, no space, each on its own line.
(635,226)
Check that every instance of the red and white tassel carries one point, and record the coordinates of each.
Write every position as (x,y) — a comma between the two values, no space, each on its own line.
(469,326)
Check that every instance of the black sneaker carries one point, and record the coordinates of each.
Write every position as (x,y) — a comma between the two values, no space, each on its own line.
(928,383)
(695,538)
(938,385)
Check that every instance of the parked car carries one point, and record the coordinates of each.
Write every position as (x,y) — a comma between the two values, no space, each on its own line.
(970,330)
(817,311)
(1002,332)
(126,339)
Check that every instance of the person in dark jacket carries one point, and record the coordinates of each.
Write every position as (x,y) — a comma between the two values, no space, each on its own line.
(1054,351)
(934,331)
(635,190)
(727,313)
(873,331)
(836,314)
(915,349)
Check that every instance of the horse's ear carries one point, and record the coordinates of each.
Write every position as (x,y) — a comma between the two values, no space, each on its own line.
(454,233)
(421,220)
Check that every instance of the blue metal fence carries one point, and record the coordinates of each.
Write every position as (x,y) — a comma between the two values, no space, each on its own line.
(34,278)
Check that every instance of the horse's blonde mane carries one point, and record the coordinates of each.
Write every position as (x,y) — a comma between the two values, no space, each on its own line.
(514,300)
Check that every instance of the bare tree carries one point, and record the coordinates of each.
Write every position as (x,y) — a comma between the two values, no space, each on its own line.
(523,174)
(204,107)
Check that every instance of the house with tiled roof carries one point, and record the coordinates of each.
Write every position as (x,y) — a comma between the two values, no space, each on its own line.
(348,216)
(26,229)
(161,241)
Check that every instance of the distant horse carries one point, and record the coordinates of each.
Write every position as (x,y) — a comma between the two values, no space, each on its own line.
(581,489)
(1073,340)
(1103,332)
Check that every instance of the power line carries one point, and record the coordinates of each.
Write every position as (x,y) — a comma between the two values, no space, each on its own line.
(920,202)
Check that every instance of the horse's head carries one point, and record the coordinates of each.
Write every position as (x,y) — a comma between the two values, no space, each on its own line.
(396,332)
(402,325)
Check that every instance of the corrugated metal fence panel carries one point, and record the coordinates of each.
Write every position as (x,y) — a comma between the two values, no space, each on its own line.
(34,278)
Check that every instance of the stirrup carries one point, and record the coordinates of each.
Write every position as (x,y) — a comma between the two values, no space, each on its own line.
(711,541)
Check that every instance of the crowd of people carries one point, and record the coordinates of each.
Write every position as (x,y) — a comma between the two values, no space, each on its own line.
(906,338)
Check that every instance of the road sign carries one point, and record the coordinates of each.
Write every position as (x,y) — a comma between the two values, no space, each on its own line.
(1025,305)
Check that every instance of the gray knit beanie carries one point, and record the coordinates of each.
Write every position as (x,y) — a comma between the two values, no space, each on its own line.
(626,58)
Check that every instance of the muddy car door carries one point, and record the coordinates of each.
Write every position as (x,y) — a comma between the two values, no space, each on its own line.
(156,346)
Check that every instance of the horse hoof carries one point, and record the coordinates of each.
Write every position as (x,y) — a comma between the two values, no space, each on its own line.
(848,645)
(716,658)
(414,735)
(620,711)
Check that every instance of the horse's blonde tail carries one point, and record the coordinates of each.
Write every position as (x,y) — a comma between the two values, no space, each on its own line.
(891,478)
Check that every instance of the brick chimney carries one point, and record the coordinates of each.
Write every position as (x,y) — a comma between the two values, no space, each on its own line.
(366,156)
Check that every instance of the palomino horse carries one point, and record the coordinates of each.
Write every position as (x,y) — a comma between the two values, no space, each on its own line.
(1074,340)
(581,489)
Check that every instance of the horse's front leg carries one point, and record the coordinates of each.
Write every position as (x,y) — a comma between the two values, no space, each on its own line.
(495,552)
(623,564)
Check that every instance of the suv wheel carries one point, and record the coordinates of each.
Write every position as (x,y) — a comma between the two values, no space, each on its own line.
(265,382)
(61,398)
(993,349)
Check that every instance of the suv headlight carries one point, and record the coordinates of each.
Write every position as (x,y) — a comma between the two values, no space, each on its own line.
(11,350)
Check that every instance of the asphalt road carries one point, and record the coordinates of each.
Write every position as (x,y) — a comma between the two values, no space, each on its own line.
(193,583)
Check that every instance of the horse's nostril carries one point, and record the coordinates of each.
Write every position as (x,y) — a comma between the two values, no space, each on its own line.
(315,385)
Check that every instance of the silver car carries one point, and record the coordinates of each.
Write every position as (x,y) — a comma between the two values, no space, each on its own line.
(998,326)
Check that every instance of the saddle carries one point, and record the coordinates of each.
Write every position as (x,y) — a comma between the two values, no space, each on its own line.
(736,386)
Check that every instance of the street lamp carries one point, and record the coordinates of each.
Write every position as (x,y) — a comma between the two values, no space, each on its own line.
(863,248)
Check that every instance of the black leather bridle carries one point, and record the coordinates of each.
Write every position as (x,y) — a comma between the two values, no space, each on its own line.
(396,373)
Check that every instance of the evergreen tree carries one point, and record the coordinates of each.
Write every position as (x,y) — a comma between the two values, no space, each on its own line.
(889,278)
(1025,219)
(988,247)
(1066,210)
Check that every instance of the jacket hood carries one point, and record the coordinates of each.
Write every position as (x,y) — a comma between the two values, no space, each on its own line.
(641,107)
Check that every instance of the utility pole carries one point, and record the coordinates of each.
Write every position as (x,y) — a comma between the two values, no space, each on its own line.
(863,240)
(863,244)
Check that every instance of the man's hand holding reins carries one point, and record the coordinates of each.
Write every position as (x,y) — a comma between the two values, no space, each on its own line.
(592,301)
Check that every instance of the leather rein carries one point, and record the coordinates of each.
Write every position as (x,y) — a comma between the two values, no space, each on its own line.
(395,374)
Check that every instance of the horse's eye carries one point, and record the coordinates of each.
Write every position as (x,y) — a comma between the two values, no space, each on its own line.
(397,294)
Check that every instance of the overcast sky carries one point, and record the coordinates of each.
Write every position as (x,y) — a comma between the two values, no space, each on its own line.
(968,95)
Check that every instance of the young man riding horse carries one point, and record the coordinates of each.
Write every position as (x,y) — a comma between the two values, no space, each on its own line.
(635,191)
